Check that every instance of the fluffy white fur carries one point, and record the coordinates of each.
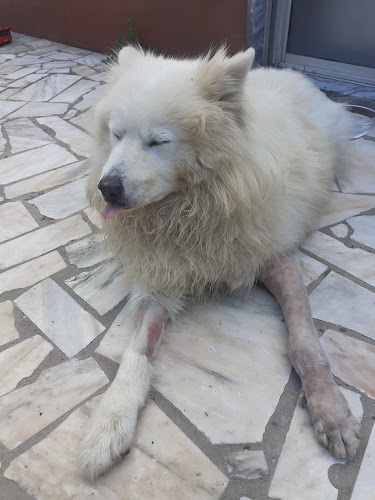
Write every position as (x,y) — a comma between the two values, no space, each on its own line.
(244,177)
(223,169)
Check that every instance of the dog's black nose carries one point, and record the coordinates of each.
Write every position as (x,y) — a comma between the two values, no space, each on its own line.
(112,190)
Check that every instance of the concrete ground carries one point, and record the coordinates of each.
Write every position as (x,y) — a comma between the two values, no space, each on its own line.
(222,420)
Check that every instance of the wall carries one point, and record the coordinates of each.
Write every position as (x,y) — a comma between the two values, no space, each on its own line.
(177,26)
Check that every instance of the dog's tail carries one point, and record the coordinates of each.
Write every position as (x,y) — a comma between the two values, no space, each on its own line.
(360,116)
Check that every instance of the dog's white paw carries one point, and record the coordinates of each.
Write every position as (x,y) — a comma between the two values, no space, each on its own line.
(335,426)
(107,439)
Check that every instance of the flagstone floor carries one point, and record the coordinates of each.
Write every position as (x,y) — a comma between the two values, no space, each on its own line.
(222,420)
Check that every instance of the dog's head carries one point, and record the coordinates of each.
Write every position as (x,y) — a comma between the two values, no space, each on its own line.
(163,121)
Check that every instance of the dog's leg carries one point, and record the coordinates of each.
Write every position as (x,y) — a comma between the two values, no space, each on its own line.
(335,426)
(111,429)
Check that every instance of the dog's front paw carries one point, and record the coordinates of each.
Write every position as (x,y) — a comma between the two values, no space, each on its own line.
(107,439)
(335,426)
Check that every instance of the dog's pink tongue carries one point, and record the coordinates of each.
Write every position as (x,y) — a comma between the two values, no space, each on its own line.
(111,210)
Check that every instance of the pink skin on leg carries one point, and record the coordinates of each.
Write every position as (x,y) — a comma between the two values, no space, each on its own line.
(150,327)
(335,426)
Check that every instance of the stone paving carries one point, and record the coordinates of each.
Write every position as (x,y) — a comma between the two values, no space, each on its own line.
(222,420)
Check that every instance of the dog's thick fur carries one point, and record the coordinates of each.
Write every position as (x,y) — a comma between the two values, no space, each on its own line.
(222,169)
(259,149)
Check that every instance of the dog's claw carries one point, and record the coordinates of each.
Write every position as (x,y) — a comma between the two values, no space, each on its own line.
(335,426)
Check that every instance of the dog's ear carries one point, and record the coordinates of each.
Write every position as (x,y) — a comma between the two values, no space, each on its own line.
(127,53)
(221,78)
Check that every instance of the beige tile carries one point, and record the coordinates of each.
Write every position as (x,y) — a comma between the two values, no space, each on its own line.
(342,302)
(27,410)
(23,134)
(163,465)
(62,201)
(31,272)
(79,141)
(59,317)
(46,88)
(102,287)
(15,220)
(42,240)
(363,229)
(365,485)
(352,360)
(310,268)
(8,331)
(75,91)
(20,361)
(49,179)
(17,167)
(33,109)
(87,252)
(355,261)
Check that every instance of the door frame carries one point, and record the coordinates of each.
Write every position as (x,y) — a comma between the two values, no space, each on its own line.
(277,34)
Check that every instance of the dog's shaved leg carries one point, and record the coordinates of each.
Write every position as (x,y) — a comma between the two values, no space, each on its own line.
(111,429)
(335,426)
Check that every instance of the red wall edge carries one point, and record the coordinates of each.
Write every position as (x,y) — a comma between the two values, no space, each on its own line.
(174,26)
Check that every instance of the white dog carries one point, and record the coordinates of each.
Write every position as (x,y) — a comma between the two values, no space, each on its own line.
(209,175)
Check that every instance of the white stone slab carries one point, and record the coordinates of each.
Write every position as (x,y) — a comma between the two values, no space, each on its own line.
(75,91)
(302,470)
(63,201)
(365,485)
(221,362)
(15,220)
(23,134)
(341,230)
(247,464)
(20,361)
(8,331)
(90,99)
(48,180)
(59,317)
(33,162)
(310,268)
(341,206)
(15,75)
(91,60)
(8,93)
(87,252)
(23,82)
(342,302)
(78,141)
(59,64)
(355,261)
(27,410)
(94,217)
(352,360)
(103,287)
(84,71)
(7,107)
(47,88)
(31,272)
(359,174)
(82,120)
(364,229)
(33,109)
(42,240)
(162,465)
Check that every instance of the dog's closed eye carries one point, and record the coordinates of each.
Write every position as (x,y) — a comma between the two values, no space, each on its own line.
(155,142)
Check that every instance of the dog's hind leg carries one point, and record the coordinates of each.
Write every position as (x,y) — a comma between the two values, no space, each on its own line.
(335,426)
(111,429)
